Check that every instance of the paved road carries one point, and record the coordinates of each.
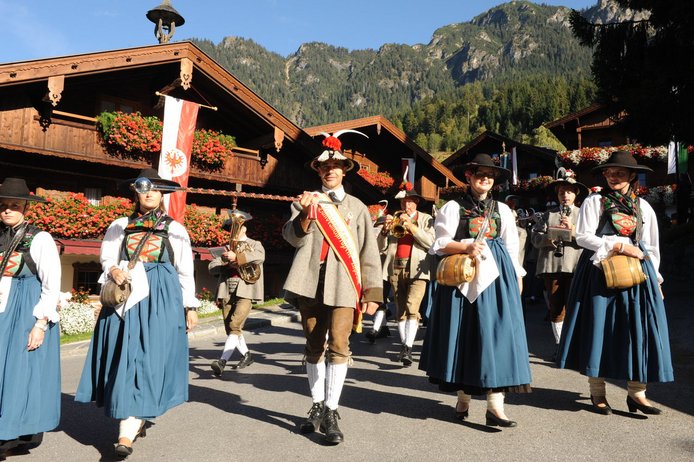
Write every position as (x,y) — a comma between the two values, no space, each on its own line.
(388,413)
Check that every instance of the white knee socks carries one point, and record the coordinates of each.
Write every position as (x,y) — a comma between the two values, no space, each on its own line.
(556,330)
(316,380)
(401,329)
(335,379)
(243,348)
(229,346)
(129,427)
(410,331)
(378,319)
(463,401)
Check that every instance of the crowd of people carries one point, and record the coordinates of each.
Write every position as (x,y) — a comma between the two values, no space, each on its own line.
(475,339)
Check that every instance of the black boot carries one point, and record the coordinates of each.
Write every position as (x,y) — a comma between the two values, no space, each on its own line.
(313,421)
(406,356)
(329,427)
(383,332)
(218,366)
(247,360)
(371,335)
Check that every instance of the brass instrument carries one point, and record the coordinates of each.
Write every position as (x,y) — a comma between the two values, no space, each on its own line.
(564,211)
(397,229)
(248,271)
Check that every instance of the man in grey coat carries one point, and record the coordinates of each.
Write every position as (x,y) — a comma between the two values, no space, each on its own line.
(409,265)
(336,268)
(235,295)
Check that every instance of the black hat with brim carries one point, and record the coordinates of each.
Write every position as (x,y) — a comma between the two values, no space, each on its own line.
(582,189)
(411,193)
(153,176)
(485,160)
(16,188)
(623,159)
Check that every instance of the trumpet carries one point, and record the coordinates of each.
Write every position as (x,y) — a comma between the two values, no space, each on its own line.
(248,271)
(144,185)
(397,228)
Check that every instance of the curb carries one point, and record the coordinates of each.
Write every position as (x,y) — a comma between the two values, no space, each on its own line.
(260,318)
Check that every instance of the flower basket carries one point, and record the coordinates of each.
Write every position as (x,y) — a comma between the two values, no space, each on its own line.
(587,157)
(139,137)
(381,180)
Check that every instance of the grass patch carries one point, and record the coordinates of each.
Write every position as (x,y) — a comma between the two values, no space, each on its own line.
(75,337)
(272,301)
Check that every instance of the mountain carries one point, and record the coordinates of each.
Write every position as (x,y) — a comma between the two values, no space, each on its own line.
(501,51)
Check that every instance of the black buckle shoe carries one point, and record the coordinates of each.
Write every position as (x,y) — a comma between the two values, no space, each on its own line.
(313,421)
(406,356)
(247,360)
(329,427)
(218,366)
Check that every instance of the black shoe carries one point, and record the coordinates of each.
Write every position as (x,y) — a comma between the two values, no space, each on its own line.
(462,415)
(28,442)
(383,332)
(313,421)
(218,366)
(604,410)
(329,427)
(124,451)
(371,335)
(634,405)
(494,421)
(407,356)
(247,360)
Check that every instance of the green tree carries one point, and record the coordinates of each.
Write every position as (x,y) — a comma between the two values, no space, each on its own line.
(645,68)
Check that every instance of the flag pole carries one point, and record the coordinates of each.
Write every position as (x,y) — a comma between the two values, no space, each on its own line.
(214,108)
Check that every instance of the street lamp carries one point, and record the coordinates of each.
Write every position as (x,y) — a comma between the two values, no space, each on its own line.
(165,19)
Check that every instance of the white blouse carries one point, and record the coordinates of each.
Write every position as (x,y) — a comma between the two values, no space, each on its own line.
(45,254)
(589,218)
(448,219)
(180,244)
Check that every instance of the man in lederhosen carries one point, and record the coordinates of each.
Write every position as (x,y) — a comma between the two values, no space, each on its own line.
(336,268)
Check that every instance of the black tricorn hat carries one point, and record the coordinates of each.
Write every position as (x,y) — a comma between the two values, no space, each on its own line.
(485,160)
(153,176)
(623,159)
(16,188)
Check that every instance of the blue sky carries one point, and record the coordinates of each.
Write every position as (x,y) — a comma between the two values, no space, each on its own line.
(33,29)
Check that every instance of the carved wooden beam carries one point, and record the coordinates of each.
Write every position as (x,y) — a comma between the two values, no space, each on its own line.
(55,88)
(186,73)
(279,139)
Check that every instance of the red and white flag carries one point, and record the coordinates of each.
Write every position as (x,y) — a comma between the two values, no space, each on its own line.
(176,145)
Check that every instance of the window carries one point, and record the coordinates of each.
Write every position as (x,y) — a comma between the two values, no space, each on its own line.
(642,179)
(532,175)
(86,275)
(112,104)
(604,143)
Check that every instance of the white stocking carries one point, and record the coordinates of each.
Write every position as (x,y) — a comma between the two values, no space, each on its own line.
(335,379)
(411,331)
(316,380)
(129,428)
(556,330)
(401,329)
(378,319)
(229,346)
(243,348)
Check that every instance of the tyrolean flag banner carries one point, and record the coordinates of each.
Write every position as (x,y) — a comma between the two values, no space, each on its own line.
(176,146)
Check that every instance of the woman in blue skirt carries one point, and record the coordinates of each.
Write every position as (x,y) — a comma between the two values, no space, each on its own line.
(137,365)
(617,333)
(29,331)
(475,342)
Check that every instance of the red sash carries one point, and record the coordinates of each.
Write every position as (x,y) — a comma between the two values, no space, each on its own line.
(338,235)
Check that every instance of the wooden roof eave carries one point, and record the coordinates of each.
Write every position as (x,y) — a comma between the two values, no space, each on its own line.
(574,116)
(548,154)
(395,132)
(101,62)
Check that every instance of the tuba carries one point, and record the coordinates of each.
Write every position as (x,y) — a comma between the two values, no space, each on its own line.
(248,271)
(397,229)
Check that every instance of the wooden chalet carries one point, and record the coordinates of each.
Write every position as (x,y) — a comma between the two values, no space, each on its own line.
(48,135)
(590,127)
(383,150)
